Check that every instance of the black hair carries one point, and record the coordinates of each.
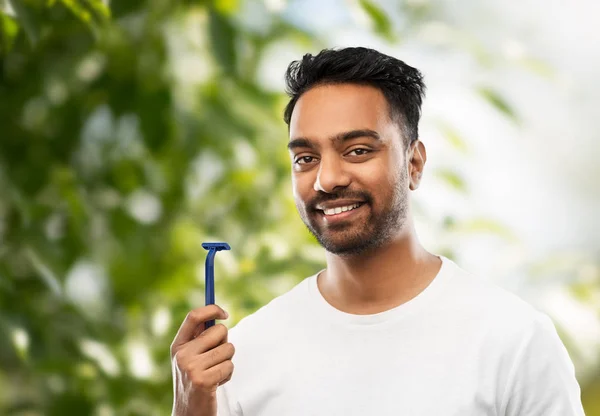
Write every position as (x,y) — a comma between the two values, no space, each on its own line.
(401,84)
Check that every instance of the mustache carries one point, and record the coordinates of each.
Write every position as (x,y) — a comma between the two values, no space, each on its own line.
(323,197)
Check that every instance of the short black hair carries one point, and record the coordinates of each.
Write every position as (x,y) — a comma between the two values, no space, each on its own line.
(401,84)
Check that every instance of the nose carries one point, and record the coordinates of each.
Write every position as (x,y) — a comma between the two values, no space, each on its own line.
(331,174)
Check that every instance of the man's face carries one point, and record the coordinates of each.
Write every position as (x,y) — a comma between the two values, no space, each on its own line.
(347,154)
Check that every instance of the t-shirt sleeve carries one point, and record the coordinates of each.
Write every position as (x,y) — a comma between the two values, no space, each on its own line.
(542,379)
(226,405)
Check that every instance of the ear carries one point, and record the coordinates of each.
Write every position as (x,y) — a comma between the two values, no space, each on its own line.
(417,156)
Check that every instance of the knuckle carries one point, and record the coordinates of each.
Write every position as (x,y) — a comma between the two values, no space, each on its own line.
(181,362)
(177,359)
(213,355)
(226,379)
(198,381)
(230,367)
(192,316)
(223,373)
(221,329)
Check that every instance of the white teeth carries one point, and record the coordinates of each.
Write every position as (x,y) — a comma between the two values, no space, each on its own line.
(333,211)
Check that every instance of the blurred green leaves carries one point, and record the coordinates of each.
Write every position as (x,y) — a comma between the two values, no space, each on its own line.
(37,16)
(223,41)
(452,178)
(28,14)
(8,32)
(498,102)
(111,180)
(381,23)
(130,136)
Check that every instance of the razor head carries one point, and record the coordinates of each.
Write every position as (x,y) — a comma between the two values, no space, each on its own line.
(216,246)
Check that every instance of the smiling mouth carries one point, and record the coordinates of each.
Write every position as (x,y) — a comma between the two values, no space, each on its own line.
(338,210)
(339,213)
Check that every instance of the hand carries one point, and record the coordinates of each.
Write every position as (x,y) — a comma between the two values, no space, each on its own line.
(201,361)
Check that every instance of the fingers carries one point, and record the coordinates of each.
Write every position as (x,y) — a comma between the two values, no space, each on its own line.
(194,319)
(226,380)
(215,356)
(219,374)
(207,340)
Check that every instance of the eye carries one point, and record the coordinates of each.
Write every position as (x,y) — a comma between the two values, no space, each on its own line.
(359,152)
(302,160)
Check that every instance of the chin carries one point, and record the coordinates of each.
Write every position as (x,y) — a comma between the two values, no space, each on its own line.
(349,248)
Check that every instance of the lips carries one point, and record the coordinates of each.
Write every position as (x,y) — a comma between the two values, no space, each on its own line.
(340,209)
(335,215)
(339,203)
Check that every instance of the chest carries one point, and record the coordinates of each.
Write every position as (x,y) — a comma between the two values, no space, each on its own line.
(370,373)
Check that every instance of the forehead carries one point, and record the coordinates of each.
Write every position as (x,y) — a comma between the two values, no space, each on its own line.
(326,110)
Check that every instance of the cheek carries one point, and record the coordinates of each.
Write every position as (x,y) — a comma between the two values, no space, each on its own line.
(395,169)
(300,189)
(381,180)
(378,177)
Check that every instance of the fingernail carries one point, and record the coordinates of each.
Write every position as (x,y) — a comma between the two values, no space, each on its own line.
(226,314)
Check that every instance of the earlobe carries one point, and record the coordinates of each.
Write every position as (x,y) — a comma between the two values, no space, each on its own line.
(417,163)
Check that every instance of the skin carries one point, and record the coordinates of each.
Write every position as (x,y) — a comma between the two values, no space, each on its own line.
(374,259)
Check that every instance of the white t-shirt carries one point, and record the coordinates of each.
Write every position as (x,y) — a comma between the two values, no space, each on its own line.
(462,347)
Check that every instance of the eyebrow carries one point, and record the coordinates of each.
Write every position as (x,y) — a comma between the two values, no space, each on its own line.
(340,137)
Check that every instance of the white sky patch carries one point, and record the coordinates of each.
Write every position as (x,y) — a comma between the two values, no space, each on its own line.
(55,226)
(514,49)
(278,245)
(8,9)
(244,153)
(56,91)
(275,60)
(99,125)
(275,6)
(190,63)
(144,206)
(86,286)
(205,170)
(104,409)
(578,320)
(101,355)
(91,67)
(161,321)
(140,361)
(20,340)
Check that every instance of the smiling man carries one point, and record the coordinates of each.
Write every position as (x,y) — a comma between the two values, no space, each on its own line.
(387,328)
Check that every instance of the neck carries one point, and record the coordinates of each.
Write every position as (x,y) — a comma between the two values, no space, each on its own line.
(379,280)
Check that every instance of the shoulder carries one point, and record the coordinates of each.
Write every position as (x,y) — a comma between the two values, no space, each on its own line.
(479,301)
(521,342)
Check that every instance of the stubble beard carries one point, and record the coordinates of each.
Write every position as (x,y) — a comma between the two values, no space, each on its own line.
(351,239)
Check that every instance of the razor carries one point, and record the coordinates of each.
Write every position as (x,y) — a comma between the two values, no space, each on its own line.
(209,274)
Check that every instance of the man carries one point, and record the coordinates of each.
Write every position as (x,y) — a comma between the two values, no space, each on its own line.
(387,328)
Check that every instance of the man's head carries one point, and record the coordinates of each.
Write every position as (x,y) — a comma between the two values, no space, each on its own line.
(353,122)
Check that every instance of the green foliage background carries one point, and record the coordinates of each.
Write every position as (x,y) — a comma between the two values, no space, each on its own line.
(115,166)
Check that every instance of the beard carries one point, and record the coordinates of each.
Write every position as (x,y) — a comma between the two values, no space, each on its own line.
(359,235)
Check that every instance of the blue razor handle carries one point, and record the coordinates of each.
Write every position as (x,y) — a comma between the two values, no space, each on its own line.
(209,274)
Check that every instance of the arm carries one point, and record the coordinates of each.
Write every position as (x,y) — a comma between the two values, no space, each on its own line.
(542,379)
